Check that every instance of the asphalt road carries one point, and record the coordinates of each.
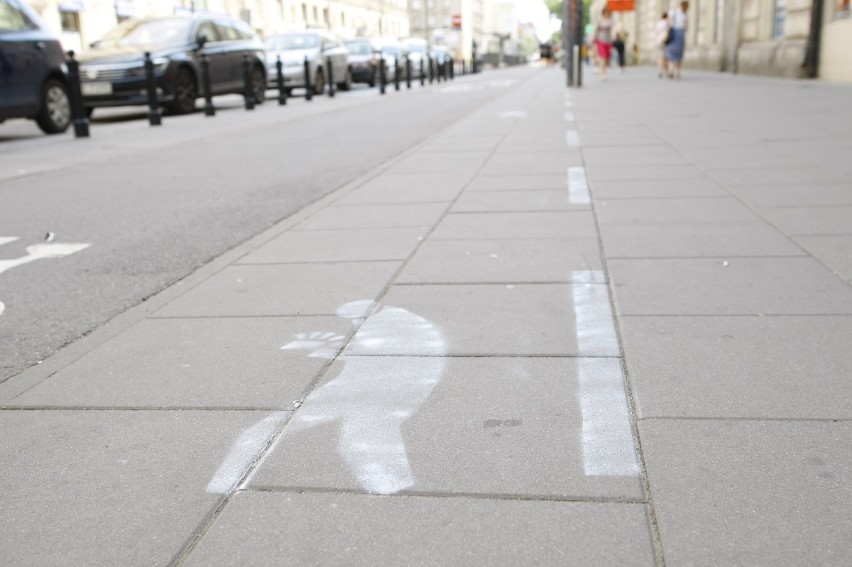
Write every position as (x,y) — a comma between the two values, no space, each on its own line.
(154,204)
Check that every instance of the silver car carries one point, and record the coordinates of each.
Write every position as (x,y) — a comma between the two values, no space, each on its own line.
(319,47)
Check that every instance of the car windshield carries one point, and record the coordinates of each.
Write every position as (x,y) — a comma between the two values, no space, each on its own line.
(148,32)
(417,47)
(293,41)
(358,47)
(391,50)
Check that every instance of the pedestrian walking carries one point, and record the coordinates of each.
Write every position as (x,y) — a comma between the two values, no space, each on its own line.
(661,34)
(619,44)
(674,50)
(603,41)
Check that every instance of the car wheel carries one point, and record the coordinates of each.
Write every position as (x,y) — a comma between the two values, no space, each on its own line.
(347,84)
(319,82)
(185,92)
(54,114)
(258,84)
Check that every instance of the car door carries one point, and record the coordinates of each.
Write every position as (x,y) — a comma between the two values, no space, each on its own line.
(216,54)
(232,50)
(23,60)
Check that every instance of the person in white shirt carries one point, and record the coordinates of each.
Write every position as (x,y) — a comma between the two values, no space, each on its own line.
(661,33)
(674,50)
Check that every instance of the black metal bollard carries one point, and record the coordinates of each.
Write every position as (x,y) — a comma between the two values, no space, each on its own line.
(331,85)
(383,76)
(396,73)
(248,92)
(154,117)
(309,88)
(408,71)
(452,69)
(279,76)
(209,109)
(422,73)
(431,71)
(78,112)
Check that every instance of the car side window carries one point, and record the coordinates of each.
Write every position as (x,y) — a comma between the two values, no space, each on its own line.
(208,29)
(244,31)
(12,18)
(327,44)
(227,32)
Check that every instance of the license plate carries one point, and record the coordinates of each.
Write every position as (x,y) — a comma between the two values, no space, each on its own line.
(96,89)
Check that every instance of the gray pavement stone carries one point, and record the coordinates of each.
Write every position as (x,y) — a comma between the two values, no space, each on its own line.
(520,418)
(561,224)
(543,163)
(777,176)
(329,529)
(502,261)
(694,239)
(836,219)
(663,156)
(754,157)
(405,189)
(515,201)
(657,211)
(507,320)
(746,286)
(338,246)
(108,487)
(656,188)
(374,216)
(751,492)
(833,251)
(519,182)
(295,289)
(641,172)
(738,367)
(445,162)
(796,195)
(191,363)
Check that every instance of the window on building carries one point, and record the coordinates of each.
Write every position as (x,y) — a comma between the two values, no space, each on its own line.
(416,4)
(720,21)
(316,15)
(780,18)
(281,9)
(70,21)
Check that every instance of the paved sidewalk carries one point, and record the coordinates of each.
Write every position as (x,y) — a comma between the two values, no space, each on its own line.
(603,327)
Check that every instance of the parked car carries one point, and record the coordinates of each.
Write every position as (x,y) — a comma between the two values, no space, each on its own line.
(32,70)
(112,73)
(363,60)
(393,54)
(319,47)
(418,50)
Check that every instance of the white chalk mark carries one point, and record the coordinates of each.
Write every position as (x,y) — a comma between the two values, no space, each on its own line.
(569,117)
(42,251)
(572,138)
(372,396)
(245,450)
(568,103)
(512,114)
(578,186)
(606,438)
(323,345)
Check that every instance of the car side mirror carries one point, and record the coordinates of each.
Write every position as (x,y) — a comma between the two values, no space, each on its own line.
(201,40)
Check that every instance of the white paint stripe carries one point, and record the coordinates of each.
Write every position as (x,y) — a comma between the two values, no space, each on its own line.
(7,239)
(245,450)
(512,114)
(578,186)
(568,103)
(569,117)
(40,251)
(607,439)
(2,307)
(572,138)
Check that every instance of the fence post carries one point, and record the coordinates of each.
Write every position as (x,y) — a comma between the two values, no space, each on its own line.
(382,75)
(408,71)
(331,85)
(282,92)
(209,109)
(154,117)
(309,88)
(78,112)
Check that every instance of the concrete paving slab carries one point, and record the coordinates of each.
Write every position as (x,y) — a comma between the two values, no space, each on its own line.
(445,162)
(739,367)
(194,363)
(405,192)
(663,156)
(414,182)
(656,188)
(298,289)
(746,286)
(639,172)
(836,219)
(657,211)
(510,320)
(742,158)
(374,216)
(519,182)
(692,240)
(503,261)
(527,418)
(109,487)
(833,251)
(329,529)
(771,492)
(338,246)
(547,163)
(796,195)
(515,201)
(562,224)
(777,176)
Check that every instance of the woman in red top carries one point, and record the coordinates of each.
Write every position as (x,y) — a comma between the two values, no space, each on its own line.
(603,40)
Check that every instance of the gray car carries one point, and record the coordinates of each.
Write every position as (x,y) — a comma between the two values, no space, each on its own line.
(319,47)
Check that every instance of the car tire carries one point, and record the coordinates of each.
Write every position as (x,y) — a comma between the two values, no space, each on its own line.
(319,82)
(54,115)
(185,92)
(347,84)
(258,84)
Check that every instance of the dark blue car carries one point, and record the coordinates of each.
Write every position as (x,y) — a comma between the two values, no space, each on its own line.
(32,70)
